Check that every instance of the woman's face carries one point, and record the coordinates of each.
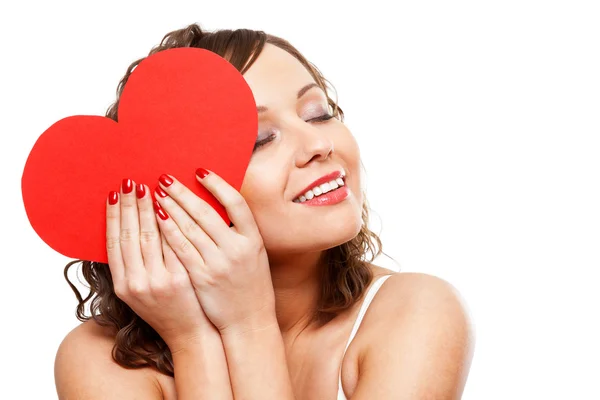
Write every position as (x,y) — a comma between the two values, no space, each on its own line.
(297,152)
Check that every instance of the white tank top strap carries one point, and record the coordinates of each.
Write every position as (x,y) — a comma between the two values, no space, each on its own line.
(363,309)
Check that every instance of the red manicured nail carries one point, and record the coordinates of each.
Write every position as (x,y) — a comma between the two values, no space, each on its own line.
(160,192)
(165,180)
(158,209)
(113,197)
(201,172)
(127,185)
(140,190)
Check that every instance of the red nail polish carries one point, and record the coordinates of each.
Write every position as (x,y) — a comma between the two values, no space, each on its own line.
(127,185)
(160,192)
(165,180)
(201,172)
(113,198)
(140,190)
(158,209)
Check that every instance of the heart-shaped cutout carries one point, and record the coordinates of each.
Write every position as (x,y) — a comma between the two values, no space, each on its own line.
(181,109)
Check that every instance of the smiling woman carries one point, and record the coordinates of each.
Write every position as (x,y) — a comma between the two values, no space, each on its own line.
(189,308)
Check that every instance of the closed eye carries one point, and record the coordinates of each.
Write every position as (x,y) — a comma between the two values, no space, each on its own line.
(325,117)
(321,118)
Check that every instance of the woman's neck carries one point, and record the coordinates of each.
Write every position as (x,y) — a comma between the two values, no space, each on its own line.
(297,286)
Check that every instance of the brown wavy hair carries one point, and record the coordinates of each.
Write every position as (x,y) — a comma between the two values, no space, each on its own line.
(345,274)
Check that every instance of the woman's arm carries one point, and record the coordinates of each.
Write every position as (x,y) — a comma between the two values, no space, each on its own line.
(257,363)
(201,369)
(229,269)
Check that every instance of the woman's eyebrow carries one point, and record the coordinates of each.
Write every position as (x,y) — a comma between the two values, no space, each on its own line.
(301,92)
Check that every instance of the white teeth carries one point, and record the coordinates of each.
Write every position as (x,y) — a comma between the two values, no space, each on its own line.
(319,190)
(325,187)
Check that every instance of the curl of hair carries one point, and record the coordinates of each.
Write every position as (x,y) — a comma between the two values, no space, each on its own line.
(345,275)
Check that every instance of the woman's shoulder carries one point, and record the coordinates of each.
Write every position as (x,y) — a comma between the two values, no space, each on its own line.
(410,314)
(405,293)
(84,367)
(402,298)
(411,283)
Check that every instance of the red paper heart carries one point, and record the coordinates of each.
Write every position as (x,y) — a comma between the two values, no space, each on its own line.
(181,109)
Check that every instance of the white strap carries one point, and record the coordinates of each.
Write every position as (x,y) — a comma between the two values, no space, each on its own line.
(363,310)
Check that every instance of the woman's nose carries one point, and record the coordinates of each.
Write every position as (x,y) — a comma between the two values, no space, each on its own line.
(315,143)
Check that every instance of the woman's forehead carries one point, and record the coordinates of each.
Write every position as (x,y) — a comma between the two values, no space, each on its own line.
(274,74)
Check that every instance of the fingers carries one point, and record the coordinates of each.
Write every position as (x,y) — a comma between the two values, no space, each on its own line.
(190,228)
(150,240)
(113,238)
(195,208)
(172,262)
(130,232)
(236,206)
(178,242)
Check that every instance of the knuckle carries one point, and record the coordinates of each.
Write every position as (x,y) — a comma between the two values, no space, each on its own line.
(112,214)
(235,255)
(185,245)
(204,212)
(112,242)
(238,252)
(127,203)
(136,288)
(127,235)
(191,228)
(180,280)
(160,288)
(120,291)
(219,273)
(237,201)
(256,246)
(171,230)
(148,236)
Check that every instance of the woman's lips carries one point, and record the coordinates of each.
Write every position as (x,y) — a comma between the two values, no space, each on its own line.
(340,173)
(332,197)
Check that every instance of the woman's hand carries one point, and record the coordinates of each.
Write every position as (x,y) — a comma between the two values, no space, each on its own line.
(228,266)
(146,273)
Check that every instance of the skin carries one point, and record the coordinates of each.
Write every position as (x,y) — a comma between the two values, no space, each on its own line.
(300,153)
(406,306)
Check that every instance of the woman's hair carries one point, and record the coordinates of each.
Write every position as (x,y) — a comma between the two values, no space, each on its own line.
(345,275)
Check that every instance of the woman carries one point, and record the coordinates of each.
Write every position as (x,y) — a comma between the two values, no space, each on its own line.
(284,324)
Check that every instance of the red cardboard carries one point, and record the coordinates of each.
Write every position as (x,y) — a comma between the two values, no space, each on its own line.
(181,109)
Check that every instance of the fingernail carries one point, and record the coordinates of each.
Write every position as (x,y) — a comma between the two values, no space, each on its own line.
(158,209)
(201,172)
(140,190)
(160,192)
(127,185)
(113,198)
(165,180)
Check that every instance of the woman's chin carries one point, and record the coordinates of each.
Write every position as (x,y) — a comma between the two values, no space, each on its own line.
(340,232)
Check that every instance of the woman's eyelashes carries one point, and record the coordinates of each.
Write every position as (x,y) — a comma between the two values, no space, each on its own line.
(322,118)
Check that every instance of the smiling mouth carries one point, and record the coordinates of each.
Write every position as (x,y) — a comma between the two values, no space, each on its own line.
(321,189)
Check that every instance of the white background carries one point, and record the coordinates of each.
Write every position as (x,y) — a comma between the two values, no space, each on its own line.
(478,124)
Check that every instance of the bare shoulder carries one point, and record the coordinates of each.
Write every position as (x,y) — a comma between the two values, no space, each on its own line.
(84,368)
(428,335)
(427,300)
(405,290)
